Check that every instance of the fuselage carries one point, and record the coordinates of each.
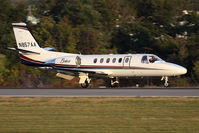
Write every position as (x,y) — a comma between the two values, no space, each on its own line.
(115,65)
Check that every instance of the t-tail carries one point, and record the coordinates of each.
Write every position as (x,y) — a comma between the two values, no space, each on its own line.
(29,50)
(26,43)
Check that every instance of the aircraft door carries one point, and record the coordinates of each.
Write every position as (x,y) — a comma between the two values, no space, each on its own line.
(126,61)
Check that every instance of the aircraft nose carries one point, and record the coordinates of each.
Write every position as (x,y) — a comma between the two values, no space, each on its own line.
(181,70)
(184,71)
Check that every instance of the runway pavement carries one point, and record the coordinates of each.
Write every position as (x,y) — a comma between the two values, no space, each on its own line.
(105,92)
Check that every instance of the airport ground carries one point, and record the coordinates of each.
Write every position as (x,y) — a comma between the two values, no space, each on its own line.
(99,114)
(100,92)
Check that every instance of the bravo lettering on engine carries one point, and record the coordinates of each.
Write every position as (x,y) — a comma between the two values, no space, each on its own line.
(27,44)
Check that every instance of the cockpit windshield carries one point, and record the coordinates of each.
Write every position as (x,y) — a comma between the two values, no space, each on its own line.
(153,59)
(150,59)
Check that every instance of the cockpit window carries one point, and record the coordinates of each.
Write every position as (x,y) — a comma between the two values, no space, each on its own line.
(153,59)
(144,59)
(150,59)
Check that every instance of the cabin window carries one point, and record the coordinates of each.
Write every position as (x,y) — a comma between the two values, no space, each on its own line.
(144,59)
(114,59)
(120,60)
(108,60)
(95,60)
(127,60)
(101,60)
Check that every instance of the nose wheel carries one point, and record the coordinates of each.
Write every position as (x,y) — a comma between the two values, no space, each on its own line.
(166,79)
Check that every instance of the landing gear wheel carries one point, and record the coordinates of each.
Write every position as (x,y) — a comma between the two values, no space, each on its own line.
(166,84)
(85,84)
(166,79)
(115,85)
(114,82)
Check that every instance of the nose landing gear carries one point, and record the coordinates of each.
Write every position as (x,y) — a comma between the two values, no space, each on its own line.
(166,79)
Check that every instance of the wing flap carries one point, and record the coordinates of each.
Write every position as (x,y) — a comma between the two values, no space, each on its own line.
(68,77)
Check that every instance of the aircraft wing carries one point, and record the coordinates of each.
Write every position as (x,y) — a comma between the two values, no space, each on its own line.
(77,71)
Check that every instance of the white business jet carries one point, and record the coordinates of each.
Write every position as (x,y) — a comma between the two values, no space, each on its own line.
(69,65)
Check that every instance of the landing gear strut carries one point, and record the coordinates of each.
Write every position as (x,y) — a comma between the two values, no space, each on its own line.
(114,82)
(84,80)
(166,79)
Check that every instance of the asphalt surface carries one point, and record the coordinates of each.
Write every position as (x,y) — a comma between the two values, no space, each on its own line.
(105,92)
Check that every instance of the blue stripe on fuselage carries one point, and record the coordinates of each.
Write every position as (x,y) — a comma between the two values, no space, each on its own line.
(30,63)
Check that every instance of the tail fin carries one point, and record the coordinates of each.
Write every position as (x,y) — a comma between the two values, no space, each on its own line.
(25,40)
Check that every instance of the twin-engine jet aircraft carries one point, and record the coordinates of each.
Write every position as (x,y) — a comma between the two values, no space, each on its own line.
(69,65)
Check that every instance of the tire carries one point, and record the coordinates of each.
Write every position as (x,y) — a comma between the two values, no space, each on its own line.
(166,84)
(85,84)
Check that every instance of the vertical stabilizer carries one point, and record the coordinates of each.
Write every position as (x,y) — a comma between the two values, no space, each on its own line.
(25,40)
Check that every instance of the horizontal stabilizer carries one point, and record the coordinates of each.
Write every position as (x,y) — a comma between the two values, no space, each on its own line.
(24,51)
(12,48)
(48,48)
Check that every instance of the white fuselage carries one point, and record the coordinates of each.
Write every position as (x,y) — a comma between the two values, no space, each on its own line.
(114,65)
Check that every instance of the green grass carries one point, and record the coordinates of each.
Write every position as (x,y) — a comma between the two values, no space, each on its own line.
(99,115)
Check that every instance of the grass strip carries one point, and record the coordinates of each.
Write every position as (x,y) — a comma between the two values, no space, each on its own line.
(118,114)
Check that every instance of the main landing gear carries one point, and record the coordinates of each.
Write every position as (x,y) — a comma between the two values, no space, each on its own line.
(114,82)
(166,79)
(84,80)
(85,84)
